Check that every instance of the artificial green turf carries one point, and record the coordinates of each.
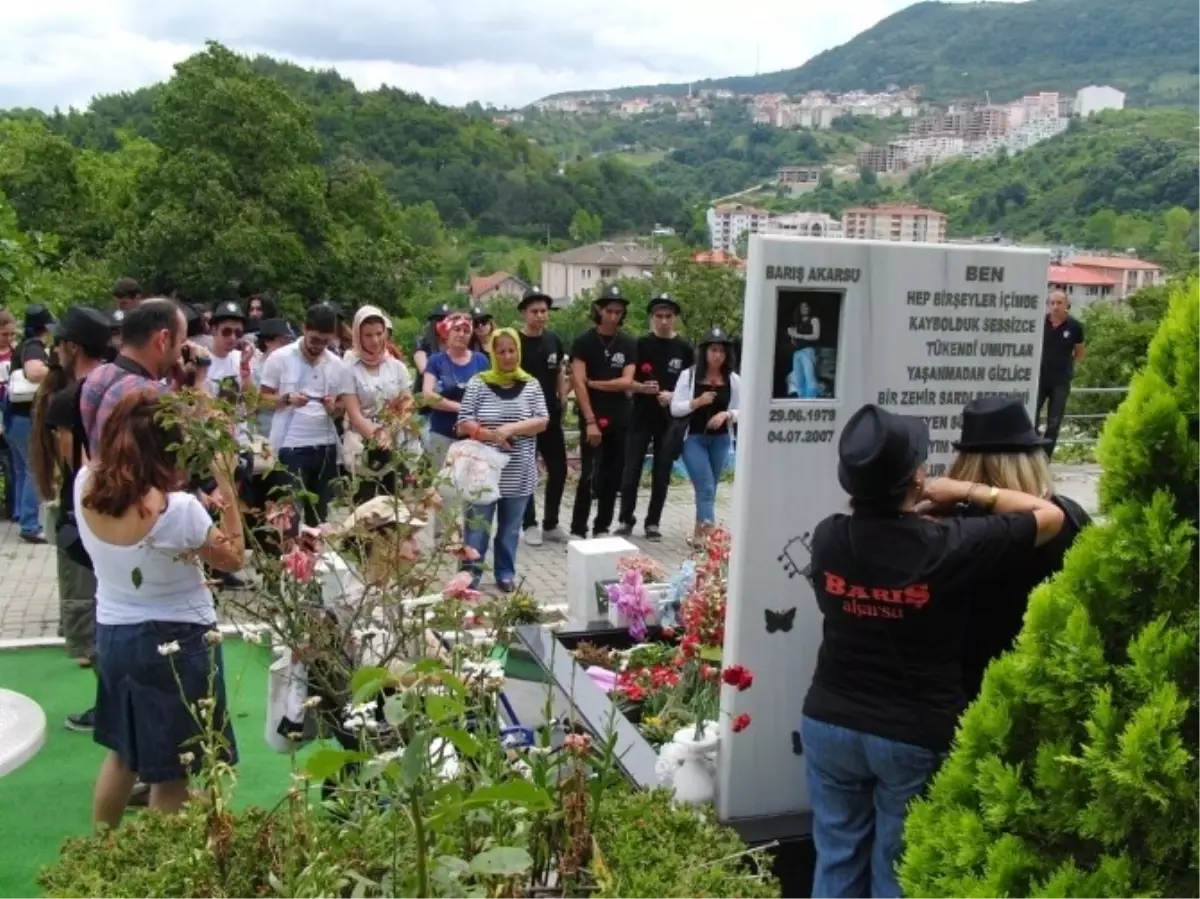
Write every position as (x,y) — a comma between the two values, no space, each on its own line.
(50,797)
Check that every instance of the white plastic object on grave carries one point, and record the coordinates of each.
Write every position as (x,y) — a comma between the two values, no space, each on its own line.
(22,730)
(590,561)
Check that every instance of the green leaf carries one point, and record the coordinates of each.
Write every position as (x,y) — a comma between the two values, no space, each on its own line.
(325,763)
(710,653)
(137,579)
(416,754)
(447,869)
(443,708)
(463,743)
(518,792)
(367,683)
(396,709)
(428,666)
(502,861)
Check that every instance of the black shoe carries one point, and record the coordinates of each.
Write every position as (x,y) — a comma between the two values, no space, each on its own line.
(653,534)
(624,530)
(140,797)
(230,581)
(37,539)
(83,723)
(599,532)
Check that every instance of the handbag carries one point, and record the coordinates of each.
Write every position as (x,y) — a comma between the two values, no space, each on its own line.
(472,471)
(288,725)
(20,388)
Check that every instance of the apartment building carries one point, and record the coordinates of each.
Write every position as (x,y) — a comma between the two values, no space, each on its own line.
(805,224)
(799,178)
(1129,274)
(567,274)
(892,158)
(728,222)
(929,149)
(1082,286)
(1095,98)
(897,222)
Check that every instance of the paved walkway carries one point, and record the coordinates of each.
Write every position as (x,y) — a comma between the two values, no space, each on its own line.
(29,598)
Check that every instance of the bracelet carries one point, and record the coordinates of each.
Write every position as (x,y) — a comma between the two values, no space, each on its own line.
(970,491)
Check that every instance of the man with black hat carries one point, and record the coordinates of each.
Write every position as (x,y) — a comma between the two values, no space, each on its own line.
(602,365)
(81,343)
(544,356)
(662,355)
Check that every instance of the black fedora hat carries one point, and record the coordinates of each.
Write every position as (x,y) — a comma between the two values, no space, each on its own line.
(229,310)
(879,451)
(86,327)
(270,328)
(663,299)
(997,424)
(532,294)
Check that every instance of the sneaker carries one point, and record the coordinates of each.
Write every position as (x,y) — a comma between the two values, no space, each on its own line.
(37,539)
(556,535)
(533,536)
(140,797)
(624,530)
(505,586)
(83,723)
(653,534)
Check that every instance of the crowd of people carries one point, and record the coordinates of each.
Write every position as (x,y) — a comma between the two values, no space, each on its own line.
(141,544)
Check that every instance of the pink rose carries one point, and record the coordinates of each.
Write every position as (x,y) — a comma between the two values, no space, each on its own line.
(300,564)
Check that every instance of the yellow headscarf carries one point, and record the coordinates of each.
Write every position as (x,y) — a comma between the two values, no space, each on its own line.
(494,376)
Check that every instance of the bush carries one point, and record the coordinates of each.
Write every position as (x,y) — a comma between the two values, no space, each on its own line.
(1075,772)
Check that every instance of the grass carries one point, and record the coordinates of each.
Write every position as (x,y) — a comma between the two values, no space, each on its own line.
(642,160)
(50,797)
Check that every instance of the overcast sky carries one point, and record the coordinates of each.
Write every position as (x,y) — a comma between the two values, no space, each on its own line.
(507,52)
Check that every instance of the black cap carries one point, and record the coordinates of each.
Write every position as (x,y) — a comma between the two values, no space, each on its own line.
(37,318)
(879,452)
(534,293)
(611,294)
(717,335)
(663,299)
(270,328)
(997,424)
(480,315)
(229,310)
(87,327)
(440,311)
(116,317)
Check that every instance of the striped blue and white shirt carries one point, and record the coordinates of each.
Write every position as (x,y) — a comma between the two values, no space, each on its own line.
(496,406)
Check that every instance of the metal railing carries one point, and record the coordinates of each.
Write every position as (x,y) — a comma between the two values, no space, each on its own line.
(1078,437)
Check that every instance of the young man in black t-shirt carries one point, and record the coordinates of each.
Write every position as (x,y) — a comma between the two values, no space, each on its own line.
(1062,344)
(602,365)
(662,355)
(544,356)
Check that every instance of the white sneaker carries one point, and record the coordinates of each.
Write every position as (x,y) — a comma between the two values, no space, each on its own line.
(557,535)
(533,536)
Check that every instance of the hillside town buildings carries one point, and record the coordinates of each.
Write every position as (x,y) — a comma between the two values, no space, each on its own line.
(567,274)
(896,222)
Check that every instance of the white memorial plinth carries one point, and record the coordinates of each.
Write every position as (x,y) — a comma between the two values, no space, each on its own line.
(22,730)
(832,324)
(589,561)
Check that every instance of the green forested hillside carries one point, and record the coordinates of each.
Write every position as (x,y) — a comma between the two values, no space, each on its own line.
(474,173)
(1147,48)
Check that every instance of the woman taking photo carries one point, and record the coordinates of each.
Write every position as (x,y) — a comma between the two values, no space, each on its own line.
(805,333)
(706,399)
(380,380)
(155,619)
(999,447)
(895,589)
(504,407)
(445,380)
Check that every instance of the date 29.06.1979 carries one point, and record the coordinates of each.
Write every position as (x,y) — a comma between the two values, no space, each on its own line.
(782,415)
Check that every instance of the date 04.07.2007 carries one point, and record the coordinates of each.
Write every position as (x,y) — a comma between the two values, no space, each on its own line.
(799,435)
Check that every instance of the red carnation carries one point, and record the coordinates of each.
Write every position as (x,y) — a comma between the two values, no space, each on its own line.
(647,368)
(741,722)
(706,672)
(733,675)
(602,422)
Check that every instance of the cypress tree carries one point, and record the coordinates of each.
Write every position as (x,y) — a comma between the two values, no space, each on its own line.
(1075,771)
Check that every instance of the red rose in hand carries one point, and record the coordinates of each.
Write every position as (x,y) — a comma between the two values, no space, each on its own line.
(602,423)
(647,368)
(741,722)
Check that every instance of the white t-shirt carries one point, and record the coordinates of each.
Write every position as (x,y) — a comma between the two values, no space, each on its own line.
(376,389)
(169,585)
(220,369)
(287,371)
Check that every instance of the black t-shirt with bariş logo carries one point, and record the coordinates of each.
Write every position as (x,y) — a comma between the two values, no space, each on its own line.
(661,359)
(606,358)
(543,357)
(895,594)
(1058,350)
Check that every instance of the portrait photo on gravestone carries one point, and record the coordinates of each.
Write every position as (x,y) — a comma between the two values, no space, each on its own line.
(807,328)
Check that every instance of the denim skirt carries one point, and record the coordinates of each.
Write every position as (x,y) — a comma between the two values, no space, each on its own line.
(150,704)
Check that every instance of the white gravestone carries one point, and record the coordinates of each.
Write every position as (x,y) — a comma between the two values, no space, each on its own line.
(589,561)
(920,329)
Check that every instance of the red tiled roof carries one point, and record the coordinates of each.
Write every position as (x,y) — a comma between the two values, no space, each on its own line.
(1079,277)
(719,257)
(481,284)
(1122,263)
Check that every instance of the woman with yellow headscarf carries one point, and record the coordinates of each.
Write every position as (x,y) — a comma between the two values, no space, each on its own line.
(505,407)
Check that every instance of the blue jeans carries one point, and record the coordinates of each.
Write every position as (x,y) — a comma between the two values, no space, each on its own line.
(311,471)
(477,520)
(804,370)
(704,458)
(860,787)
(25,495)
